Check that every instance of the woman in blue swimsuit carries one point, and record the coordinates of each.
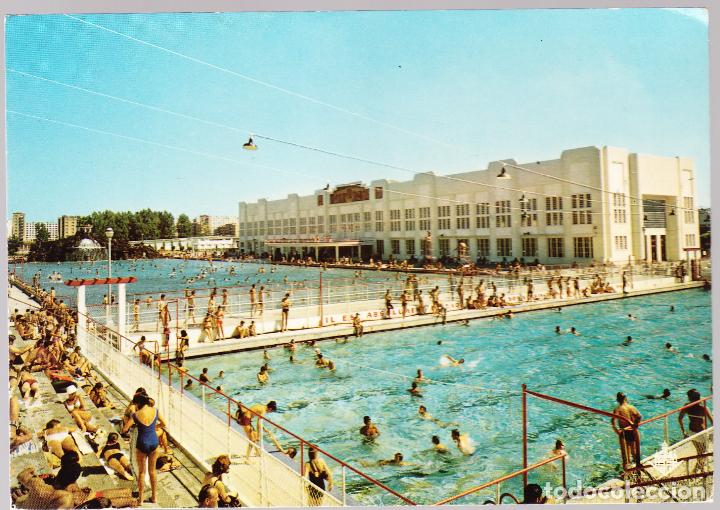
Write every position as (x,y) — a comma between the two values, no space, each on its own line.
(146,419)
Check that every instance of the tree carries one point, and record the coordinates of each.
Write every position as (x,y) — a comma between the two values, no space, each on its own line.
(166,224)
(14,245)
(184,226)
(41,234)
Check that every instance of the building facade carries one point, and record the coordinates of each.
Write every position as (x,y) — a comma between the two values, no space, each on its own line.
(17,229)
(32,226)
(592,204)
(216,225)
(67,226)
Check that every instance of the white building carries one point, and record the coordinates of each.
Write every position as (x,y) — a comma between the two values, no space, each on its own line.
(210,224)
(31,230)
(195,244)
(599,204)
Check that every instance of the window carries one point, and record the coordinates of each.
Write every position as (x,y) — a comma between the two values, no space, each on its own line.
(379,222)
(502,214)
(690,241)
(311,225)
(261,230)
(303,226)
(320,200)
(504,246)
(410,247)
(482,215)
(483,247)
(462,211)
(367,221)
(583,247)
(332,223)
(444,247)
(529,247)
(409,214)
(395,246)
(378,194)
(241,230)
(293,229)
(380,247)
(581,204)
(395,220)
(444,217)
(553,204)
(285,226)
(621,243)
(424,213)
(528,216)
(556,247)
(409,225)
(443,223)
(443,211)
(619,211)
(689,212)
(320,224)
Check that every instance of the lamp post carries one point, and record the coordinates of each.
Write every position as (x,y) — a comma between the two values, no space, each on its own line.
(109,234)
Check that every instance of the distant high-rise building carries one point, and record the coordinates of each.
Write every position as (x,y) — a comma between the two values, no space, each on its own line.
(209,225)
(67,226)
(18,226)
(31,230)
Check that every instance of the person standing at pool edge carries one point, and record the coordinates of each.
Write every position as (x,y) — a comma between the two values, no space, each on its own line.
(627,431)
(285,307)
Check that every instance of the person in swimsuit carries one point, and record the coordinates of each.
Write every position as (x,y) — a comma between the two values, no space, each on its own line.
(665,394)
(146,418)
(58,438)
(698,416)
(628,434)
(454,362)
(317,474)
(113,455)
(263,377)
(463,442)
(76,407)
(28,388)
(214,479)
(414,390)
(219,316)
(285,308)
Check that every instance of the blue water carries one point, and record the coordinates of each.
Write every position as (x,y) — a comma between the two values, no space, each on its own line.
(155,276)
(482,396)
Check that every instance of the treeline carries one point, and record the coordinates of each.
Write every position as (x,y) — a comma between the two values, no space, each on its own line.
(132,226)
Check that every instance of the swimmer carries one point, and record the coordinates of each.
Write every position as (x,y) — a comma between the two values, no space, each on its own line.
(631,317)
(463,442)
(369,429)
(321,362)
(558,330)
(558,309)
(438,446)
(263,377)
(397,460)
(665,394)
(706,357)
(414,390)
(672,308)
(670,348)
(265,354)
(422,411)
(453,361)
(439,342)
(465,322)
(627,341)
(221,374)
(574,331)
(419,377)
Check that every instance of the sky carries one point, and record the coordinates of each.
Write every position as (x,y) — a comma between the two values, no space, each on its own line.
(446,91)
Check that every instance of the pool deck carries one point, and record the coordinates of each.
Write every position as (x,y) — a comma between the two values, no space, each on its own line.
(198,350)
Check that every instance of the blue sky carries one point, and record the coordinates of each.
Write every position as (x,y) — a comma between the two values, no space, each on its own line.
(492,84)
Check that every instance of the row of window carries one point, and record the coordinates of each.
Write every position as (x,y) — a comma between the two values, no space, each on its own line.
(582,247)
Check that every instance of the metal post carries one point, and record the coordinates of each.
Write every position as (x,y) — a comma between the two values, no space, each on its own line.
(202,443)
(564,479)
(667,433)
(344,493)
(320,289)
(497,494)
(302,458)
(524,433)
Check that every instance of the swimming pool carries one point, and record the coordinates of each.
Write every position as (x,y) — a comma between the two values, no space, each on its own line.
(482,396)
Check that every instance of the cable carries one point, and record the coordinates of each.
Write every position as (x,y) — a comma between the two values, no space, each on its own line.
(365,160)
(264,83)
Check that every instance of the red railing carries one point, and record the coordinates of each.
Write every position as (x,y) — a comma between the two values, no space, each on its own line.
(523,472)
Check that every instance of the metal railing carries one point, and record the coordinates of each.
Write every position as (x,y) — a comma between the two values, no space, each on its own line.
(207,433)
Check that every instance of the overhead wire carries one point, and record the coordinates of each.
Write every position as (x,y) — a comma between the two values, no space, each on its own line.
(526,210)
(356,114)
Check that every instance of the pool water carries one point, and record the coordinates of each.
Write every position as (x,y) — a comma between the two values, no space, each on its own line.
(168,275)
(483,395)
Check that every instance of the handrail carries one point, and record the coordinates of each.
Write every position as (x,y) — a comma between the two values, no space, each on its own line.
(668,413)
(578,406)
(501,479)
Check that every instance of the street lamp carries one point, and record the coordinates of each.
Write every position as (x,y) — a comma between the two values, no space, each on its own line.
(109,234)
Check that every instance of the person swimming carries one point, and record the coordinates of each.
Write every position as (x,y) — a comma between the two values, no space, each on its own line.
(369,429)
(574,331)
(414,390)
(627,341)
(463,442)
(558,330)
(419,377)
(454,362)
(397,460)
(465,322)
(438,446)
(665,394)
(631,317)
(706,357)
(670,348)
